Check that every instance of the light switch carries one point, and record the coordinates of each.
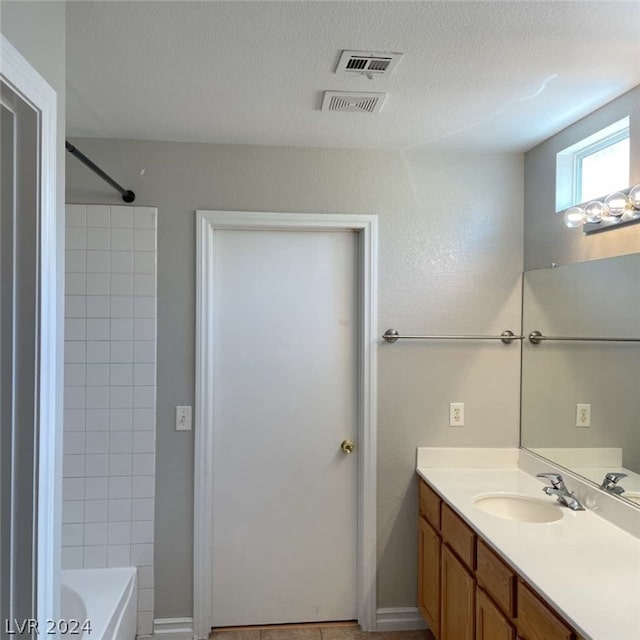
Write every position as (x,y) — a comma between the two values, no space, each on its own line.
(183,418)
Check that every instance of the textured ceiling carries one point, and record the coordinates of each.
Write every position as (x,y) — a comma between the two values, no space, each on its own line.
(477,76)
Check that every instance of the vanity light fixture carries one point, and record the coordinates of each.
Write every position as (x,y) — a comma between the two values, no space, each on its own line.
(617,209)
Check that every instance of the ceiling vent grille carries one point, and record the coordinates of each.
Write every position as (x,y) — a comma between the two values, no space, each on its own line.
(347,101)
(368,63)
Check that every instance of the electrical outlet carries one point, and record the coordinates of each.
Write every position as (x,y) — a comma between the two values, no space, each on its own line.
(583,415)
(183,418)
(456,414)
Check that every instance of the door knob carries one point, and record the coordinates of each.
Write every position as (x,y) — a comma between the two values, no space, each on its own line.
(347,445)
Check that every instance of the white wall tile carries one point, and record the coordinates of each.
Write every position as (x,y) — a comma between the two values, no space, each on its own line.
(72,511)
(97,397)
(144,464)
(143,442)
(144,329)
(96,488)
(97,329)
(119,555)
(145,599)
(144,262)
(122,306)
(122,216)
(142,509)
(144,419)
(144,374)
(145,577)
(97,351)
(95,511)
(120,510)
(121,284)
(74,420)
(97,419)
(97,442)
(145,623)
(76,215)
(121,351)
(72,557)
(74,397)
(121,442)
(121,397)
(121,261)
(145,307)
(144,397)
(73,489)
(143,486)
(75,261)
(122,328)
(121,375)
(76,238)
(145,218)
(98,239)
(75,284)
(98,284)
(98,215)
(98,261)
(74,374)
(120,464)
(97,375)
(120,419)
(145,239)
(144,284)
(97,465)
(142,554)
(73,442)
(121,240)
(95,533)
(145,352)
(73,535)
(119,532)
(120,487)
(142,532)
(74,351)
(75,329)
(75,307)
(95,557)
(98,306)
(73,465)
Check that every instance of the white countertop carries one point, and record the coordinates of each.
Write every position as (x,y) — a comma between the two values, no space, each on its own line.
(587,567)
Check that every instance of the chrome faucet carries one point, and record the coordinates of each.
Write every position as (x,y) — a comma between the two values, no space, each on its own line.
(560,491)
(610,483)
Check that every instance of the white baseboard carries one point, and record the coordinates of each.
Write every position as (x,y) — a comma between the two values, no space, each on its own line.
(173,628)
(399,619)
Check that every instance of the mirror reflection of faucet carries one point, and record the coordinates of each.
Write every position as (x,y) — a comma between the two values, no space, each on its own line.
(560,491)
(610,483)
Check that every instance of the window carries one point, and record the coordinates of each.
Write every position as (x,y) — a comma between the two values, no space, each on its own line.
(593,167)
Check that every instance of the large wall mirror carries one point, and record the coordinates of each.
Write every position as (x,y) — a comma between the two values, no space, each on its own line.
(581,381)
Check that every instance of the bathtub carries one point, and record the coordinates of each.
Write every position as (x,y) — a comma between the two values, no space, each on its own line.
(107,598)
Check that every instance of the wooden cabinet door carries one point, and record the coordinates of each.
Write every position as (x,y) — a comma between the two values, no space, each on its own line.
(536,621)
(429,545)
(457,601)
(491,624)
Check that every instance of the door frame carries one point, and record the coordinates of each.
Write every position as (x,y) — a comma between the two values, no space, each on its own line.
(207,223)
(24,80)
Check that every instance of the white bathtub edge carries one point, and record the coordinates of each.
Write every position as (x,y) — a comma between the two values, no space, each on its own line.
(173,628)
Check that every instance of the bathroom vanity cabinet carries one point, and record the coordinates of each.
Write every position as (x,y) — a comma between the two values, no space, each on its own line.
(466,591)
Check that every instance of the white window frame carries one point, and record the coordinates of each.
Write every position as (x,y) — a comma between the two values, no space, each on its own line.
(569,162)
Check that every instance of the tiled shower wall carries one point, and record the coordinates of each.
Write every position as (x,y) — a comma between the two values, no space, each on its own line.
(110,393)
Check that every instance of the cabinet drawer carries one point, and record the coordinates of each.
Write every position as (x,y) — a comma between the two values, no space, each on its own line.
(429,504)
(536,621)
(496,578)
(459,536)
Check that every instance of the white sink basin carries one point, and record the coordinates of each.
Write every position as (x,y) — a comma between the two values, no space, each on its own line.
(517,507)
(634,496)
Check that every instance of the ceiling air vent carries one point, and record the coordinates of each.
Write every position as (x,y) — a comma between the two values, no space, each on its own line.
(368,63)
(353,102)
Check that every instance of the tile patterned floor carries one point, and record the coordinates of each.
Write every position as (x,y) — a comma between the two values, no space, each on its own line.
(311,632)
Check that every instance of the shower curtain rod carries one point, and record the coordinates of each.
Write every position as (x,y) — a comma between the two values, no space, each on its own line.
(127,195)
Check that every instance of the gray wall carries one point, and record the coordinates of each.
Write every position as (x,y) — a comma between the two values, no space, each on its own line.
(450,261)
(547,239)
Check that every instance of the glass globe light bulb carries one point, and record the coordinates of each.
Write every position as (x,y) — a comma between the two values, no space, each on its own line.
(634,196)
(574,217)
(615,204)
(594,212)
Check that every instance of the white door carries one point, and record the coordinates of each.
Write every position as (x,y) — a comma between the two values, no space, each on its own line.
(285,397)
